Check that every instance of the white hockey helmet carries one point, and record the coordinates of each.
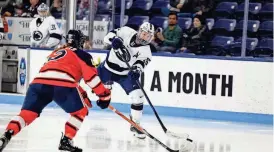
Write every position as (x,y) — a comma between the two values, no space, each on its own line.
(145,33)
(43,10)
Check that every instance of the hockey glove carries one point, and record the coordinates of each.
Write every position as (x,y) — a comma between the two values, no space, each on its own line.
(135,73)
(86,99)
(104,99)
(117,43)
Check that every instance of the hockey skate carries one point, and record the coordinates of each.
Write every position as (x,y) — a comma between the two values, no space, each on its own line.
(66,144)
(136,132)
(4,140)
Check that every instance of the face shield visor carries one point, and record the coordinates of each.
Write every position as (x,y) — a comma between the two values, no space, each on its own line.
(144,37)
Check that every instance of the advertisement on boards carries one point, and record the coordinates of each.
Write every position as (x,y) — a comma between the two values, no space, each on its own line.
(22,83)
(197,83)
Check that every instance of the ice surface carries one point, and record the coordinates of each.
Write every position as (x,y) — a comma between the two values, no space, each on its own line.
(106,132)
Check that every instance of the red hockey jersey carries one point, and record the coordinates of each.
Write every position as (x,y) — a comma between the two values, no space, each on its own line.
(66,67)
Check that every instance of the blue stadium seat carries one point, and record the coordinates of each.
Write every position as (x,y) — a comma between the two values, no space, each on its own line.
(222,41)
(266,29)
(104,6)
(264,48)
(254,9)
(225,9)
(142,4)
(140,7)
(158,5)
(102,17)
(252,28)
(224,27)
(236,48)
(159,21)
(210,23)
(185,15)
(266,12)
(136,21)
(185,22)
(267,8)
(117,21)
(220,45)
(128,4)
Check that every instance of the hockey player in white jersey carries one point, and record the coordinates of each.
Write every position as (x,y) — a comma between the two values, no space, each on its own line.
(44,30)
(136,50)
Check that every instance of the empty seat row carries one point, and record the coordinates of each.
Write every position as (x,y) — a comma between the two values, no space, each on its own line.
(232,46)
(255,28)
(254,8)
(233,10)
(226,27)
(224,8)
(105,5)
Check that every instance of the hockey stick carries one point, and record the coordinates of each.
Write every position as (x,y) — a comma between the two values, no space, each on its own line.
(182,149)
(167,132)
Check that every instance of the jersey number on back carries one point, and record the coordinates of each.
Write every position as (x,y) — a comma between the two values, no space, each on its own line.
(57,55)
(53,27)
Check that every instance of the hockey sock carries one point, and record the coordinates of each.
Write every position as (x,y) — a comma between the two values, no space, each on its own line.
(74,123)
(20,121)
(136,112)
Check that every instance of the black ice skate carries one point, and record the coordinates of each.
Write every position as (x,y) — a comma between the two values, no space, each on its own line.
(4,140)
(136,132)
(66,144)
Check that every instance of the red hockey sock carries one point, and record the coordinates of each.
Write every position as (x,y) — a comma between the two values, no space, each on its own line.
(74,123)
(20,121)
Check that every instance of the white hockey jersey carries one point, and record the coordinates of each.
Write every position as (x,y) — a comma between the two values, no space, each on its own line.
(137,55)
(45,32)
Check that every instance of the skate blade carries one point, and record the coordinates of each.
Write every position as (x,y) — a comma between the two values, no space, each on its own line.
(187,146)
(139,136)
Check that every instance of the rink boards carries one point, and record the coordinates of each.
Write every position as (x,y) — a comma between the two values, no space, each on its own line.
(233,90)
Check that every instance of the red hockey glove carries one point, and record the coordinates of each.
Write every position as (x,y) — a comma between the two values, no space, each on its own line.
(104,99)
(86,99)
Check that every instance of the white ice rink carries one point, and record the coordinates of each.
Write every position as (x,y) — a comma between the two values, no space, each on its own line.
(107,132)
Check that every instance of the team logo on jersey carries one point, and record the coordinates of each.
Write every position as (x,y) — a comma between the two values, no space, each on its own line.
(37,35)
(22,71)
(137,55)
(124,56)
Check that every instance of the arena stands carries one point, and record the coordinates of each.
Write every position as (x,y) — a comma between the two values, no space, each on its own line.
(224,22)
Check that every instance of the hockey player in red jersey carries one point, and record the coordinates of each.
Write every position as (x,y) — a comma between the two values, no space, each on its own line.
(58,80)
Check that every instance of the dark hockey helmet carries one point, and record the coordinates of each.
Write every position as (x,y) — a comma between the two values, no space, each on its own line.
(75,38)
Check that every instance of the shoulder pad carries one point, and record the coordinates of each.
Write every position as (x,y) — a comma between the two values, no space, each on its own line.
(84,56)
